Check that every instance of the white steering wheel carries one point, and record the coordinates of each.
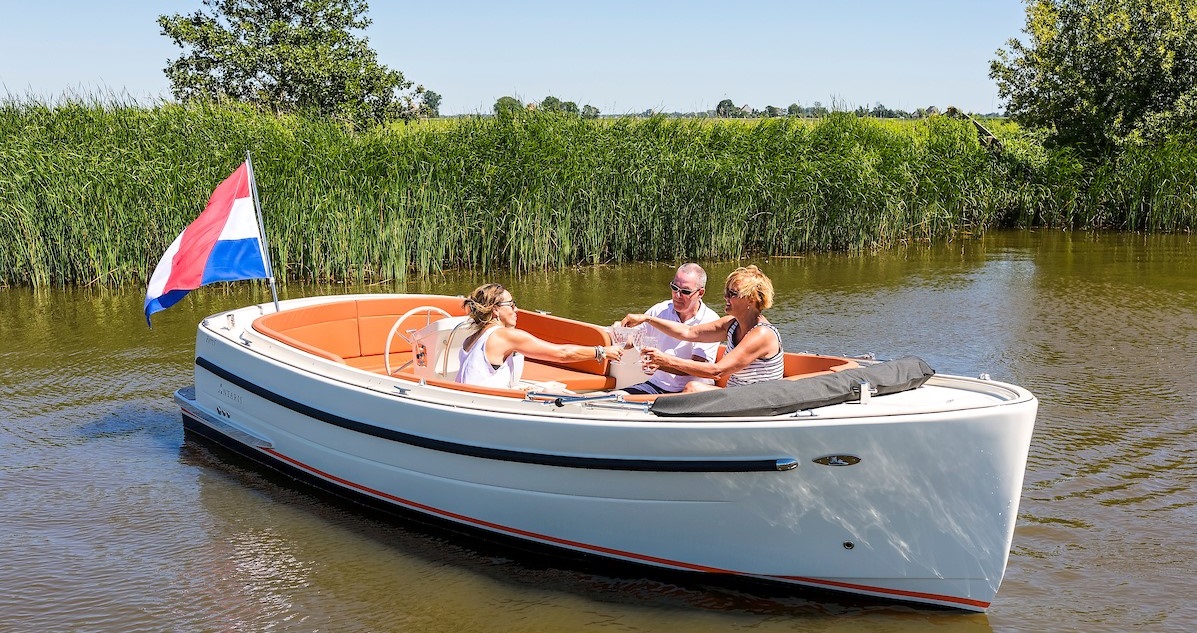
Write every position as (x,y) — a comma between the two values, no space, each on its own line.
(386,352)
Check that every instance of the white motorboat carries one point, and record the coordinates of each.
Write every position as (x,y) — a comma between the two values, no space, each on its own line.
(874,479)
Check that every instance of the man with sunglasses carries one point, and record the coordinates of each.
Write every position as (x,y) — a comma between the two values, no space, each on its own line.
(685,306)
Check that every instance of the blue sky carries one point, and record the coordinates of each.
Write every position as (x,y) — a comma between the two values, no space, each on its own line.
(620,56)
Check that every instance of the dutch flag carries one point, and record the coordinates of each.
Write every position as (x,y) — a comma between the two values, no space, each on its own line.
(223,244)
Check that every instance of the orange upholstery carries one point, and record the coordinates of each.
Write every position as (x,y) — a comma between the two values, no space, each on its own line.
(801,365)
(797,366)
(451,384)
(555,329)
(806,365)
(352,328)
(354,332)
(328,330)
(573,379)
(311,349)
(374,362)
(376,317)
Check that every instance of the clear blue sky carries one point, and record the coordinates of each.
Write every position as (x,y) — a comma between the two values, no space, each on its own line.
(619,56)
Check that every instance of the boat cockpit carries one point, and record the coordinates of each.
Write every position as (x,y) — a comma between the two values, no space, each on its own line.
(419,337)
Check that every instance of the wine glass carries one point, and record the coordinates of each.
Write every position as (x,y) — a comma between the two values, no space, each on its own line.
(635,336)
(649,337)
(619,336)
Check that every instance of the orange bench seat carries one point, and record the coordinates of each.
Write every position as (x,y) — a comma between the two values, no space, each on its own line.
(353,332)
(534,370)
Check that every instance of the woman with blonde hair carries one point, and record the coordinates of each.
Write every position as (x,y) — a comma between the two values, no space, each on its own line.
(493,355)
(754,352)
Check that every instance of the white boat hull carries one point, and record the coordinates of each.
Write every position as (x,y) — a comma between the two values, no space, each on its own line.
(912,496)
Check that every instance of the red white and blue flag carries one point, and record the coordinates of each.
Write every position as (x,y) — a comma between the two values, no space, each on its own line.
(223,244)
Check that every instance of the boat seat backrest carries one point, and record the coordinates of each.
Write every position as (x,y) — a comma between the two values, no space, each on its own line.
(329,328)
(797,366)
(376,317)
(806,365)
(558,330)
(352,328)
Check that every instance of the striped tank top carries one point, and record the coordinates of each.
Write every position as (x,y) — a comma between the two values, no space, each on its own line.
(761,369)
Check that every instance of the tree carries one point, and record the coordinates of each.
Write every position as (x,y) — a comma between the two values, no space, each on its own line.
(794,110)
(569,107)
(432,103)
(772,111)
(508,105)
(550,104)
(590,112)
(726,108)
(286,56)
(1099,73)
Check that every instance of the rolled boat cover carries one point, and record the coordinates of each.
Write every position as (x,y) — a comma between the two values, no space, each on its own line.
(777,397)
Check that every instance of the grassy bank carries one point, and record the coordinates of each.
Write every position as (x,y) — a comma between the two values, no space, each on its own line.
(93,193)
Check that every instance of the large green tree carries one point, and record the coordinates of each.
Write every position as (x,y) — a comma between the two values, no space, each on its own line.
(287,56)
(432,103)
(1099,73)
(508,105)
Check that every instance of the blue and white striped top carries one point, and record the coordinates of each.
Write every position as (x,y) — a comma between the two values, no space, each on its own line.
(761,369)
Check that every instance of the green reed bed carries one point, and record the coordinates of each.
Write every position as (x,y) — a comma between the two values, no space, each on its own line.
(92,193)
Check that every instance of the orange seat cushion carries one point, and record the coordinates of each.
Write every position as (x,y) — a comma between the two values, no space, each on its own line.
(574,380)
(806,365)
(376,317)
(328,330)
(558,330)
(374,363)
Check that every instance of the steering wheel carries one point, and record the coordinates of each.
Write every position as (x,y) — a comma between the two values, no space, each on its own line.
(386,352)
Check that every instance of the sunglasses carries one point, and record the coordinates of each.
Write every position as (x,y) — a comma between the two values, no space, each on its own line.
(731,294)
(506,303)
(685,292)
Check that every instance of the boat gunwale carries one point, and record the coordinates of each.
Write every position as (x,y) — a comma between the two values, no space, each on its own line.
(618,412)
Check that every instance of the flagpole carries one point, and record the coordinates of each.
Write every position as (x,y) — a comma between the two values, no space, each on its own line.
(253,187)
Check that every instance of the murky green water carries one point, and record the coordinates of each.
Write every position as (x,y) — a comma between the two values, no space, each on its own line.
(108,521)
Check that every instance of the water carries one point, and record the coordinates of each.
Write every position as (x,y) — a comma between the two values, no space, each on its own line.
(110,522)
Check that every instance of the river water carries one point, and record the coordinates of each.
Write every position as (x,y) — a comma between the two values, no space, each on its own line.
(109,521)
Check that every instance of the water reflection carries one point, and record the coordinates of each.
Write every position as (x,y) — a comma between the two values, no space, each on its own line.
(331,567)
(110,522)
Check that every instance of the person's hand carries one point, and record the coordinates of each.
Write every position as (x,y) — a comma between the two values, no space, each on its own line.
(613,352)
(651,359)
(632,320)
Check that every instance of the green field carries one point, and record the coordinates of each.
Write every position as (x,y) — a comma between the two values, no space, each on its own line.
(93,193)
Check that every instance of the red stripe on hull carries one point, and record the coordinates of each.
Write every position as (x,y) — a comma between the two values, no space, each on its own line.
(815,582)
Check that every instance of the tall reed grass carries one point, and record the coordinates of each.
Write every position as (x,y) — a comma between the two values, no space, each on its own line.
(92,193)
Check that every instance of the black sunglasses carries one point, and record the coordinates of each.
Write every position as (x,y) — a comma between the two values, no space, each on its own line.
(686,292)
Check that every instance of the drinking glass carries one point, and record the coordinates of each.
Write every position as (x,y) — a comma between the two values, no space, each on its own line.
(636,336)
(619,336)
(649,337)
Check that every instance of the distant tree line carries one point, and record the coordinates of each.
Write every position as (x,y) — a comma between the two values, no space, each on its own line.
(727,109)
(548,104)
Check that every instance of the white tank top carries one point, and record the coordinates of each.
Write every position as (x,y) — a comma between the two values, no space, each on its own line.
(476,370)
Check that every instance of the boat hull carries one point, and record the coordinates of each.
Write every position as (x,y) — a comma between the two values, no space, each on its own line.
(916,506)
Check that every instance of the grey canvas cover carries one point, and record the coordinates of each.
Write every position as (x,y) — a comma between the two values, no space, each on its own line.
(776,397)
